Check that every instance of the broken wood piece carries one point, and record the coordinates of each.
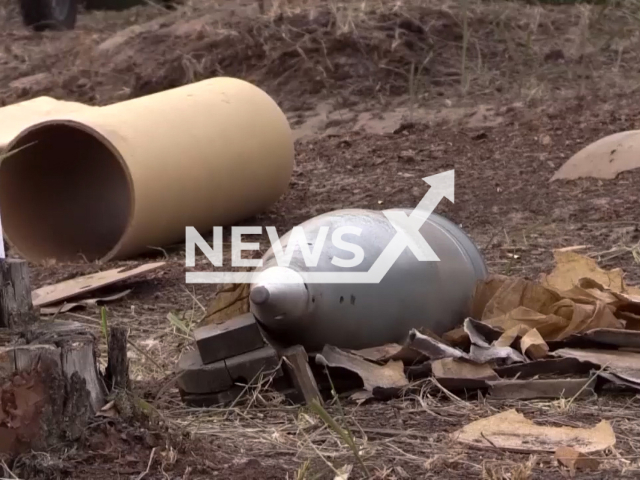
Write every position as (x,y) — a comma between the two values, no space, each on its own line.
(575,460)
(196,377)
(532,345)
(390,375)
(511,431)
(59,292)
(16,308)
(117,372)
(297,364)
(246,368)
(236,336)
(545,388)
(432,348)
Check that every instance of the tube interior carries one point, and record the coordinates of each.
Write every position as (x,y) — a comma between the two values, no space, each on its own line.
(63,194)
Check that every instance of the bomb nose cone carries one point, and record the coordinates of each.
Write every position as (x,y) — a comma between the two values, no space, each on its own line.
(260,295)
(279,297)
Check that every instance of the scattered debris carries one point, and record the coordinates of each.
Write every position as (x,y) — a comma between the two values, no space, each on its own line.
(390,375)
(533,346)
(620,363)
(52,294)
(575,460)
(456,374)
(571,268)
(391,351)
(431,347)
(511,431)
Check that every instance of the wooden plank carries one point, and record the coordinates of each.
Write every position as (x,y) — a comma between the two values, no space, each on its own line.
(62,291)
(236,336)
(296,362)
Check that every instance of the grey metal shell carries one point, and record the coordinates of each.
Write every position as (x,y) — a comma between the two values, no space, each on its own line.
(413,294)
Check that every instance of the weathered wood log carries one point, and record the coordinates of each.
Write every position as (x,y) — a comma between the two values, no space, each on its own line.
(16,308)
(116,374)
(49,388)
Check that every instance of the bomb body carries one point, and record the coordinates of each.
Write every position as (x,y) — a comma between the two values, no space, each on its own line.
(413,294)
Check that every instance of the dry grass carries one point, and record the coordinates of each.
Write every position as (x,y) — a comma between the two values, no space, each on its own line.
(352,51)
(371,48)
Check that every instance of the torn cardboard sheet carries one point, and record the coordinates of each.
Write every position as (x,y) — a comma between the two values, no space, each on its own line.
(482,351)
(390,375)
(533,346)
(575,460)
(571,267)
(522,304)
(66,307)
(511,431)
(391,351)
(59,292)
(455,374)
(230,301)
(493,353)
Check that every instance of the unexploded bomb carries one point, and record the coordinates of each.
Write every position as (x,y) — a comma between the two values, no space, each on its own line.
(412,294)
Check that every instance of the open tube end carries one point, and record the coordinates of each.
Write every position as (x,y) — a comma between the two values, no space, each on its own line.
(64,193)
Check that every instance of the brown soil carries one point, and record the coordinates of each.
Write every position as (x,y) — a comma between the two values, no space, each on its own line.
(540,83)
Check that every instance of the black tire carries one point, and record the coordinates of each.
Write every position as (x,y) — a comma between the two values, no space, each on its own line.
(41,15)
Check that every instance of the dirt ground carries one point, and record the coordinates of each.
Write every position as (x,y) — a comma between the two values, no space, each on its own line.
(379,97)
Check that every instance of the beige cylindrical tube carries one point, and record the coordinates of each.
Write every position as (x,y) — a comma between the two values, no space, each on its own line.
(14,118)
(112,182)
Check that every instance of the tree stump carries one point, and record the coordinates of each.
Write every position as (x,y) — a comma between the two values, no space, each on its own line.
(16,308)
(49,386)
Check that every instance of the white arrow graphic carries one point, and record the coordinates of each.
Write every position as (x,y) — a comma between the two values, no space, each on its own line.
(407,236)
